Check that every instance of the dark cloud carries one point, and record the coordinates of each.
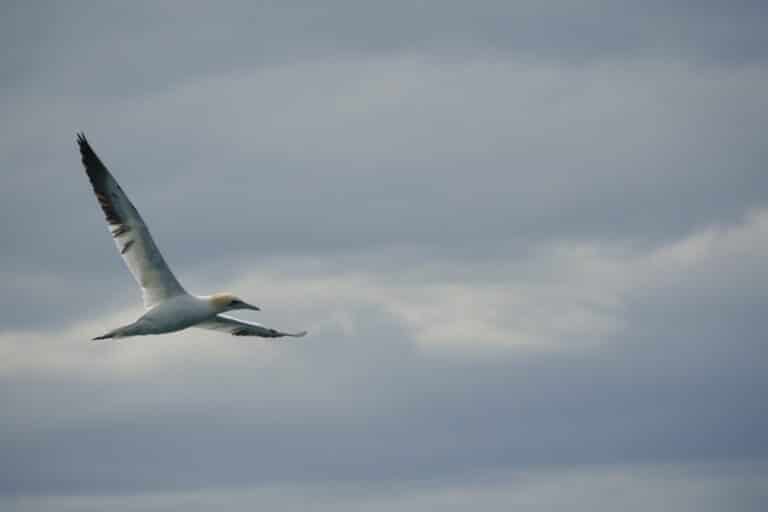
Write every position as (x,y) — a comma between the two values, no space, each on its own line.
(643,155)
(146,47)
(635,488)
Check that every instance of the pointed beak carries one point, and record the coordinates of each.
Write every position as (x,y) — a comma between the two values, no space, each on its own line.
(249,306)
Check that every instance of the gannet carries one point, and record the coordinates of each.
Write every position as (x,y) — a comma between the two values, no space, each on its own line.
(168,306)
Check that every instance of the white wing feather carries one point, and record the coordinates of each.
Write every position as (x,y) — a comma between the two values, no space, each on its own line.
(129,232)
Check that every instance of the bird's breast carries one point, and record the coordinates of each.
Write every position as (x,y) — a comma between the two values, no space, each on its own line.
(178,313)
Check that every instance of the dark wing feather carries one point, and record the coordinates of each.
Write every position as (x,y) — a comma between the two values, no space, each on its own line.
(237,327)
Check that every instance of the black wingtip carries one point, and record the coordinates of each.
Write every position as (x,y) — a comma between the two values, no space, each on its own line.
(82,143)
(89,158)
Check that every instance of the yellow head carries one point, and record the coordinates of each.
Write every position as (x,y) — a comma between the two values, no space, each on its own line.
(227,302)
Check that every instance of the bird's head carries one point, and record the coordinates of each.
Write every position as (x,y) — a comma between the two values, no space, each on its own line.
(227,302)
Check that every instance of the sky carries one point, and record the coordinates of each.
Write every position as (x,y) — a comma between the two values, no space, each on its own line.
(528,240)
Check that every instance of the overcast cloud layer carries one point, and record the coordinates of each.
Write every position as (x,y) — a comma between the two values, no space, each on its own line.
(528,240)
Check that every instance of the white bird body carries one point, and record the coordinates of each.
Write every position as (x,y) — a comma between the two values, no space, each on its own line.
(169,307)
(176,313)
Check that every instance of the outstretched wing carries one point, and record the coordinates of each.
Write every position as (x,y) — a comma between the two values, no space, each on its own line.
(131,235)
(237,327)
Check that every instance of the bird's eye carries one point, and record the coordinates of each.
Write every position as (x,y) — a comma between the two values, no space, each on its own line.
(233,303)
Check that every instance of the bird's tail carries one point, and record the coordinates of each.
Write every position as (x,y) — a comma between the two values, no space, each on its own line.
(120,332)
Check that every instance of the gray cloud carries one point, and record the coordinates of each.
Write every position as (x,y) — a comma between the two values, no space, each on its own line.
(522,237)
(147,47)
(538,154)
(377,405)
(681,486)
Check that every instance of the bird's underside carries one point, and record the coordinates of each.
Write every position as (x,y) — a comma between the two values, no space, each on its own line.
(169,307)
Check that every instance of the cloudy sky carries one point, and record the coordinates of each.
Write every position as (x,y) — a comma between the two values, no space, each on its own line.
(528,240)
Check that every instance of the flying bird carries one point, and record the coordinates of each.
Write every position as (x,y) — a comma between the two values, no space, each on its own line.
(168,306)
